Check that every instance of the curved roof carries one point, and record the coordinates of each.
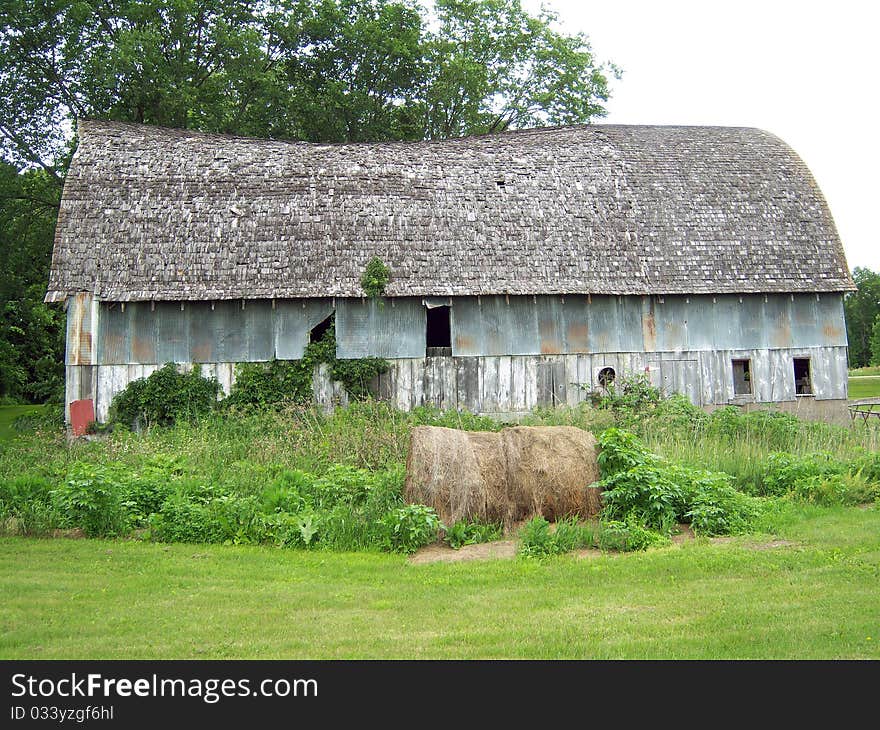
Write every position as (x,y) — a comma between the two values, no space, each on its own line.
(152,213)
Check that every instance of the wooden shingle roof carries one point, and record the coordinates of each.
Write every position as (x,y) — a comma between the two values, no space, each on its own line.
(151,214)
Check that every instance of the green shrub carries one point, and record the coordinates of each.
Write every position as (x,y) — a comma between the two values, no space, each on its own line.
(164,397)
(407,528)
(640,487)
(375,278)
(183,520)
(538,540)
(535,539)
(26,505)
(820,478)
(471,533)
(91,499)
(627,536)
(259,384)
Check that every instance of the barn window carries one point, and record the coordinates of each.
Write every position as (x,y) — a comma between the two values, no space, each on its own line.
(606,377)
(438,333)
(317,332)
(742,377)
(802,381)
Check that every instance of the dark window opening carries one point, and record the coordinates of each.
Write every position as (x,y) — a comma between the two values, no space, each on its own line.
(438,333)
(802,383)
(318,331)
(606,377)
(742,377)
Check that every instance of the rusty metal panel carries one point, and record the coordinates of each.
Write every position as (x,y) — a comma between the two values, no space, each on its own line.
(605,325)
(390,328)
(172,329)
(202,322)
(294,319)
(114,336)
(81,316)
(144,333)
(829,311)
(670,318)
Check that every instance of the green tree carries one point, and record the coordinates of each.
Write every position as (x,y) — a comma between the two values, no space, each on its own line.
(31,343)
(862,308)
(875,342)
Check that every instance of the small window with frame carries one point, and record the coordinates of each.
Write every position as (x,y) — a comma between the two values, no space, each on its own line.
(803,384)
(742,376)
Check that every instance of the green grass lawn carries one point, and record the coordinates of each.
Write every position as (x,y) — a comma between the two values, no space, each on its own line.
(864,386)
(9,413)
(88,599)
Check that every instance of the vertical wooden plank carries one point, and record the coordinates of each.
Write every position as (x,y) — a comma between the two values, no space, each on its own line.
(503,393)
(530,364)
(417,365)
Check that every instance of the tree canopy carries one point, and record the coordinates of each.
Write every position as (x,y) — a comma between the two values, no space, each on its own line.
(325,70)
(317,70)
(862,310)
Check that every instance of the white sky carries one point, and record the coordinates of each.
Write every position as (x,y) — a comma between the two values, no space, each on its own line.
(809,72)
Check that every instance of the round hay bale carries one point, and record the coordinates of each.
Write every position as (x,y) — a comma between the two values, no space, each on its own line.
(461,474)
(549,470)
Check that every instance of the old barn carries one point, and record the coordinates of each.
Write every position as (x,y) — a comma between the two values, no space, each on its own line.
(526,267)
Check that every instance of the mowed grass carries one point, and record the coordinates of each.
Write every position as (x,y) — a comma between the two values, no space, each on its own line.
(9,413)
(864,386)
(89,599)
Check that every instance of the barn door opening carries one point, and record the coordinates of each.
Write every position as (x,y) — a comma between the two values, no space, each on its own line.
(438,332)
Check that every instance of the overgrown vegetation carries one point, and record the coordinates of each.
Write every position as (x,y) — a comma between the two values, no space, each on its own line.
(168,395)
(375,278)
(164,397)
(293,476)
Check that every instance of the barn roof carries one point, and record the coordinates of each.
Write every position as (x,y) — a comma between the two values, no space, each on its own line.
(151,213)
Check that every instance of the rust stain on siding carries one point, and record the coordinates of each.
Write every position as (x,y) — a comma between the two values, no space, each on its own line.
(578,337)
(831,332)
(81,338)
(649,328)
(550,344)
(464,345)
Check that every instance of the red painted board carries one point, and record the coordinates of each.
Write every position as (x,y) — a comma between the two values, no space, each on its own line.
(82,413)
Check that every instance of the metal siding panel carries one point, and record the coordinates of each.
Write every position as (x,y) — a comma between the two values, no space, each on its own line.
(202,322)
(576,316)
(806,328)
(144,333)
(294,320)
(173,332)
(726,322)
(114,335)
(551,325)
(829,311)
(629,313)
(670,320)
(260,330)
(752,332)
(604,325)
(777,322)
(231,341)
(701,322)
(393,329)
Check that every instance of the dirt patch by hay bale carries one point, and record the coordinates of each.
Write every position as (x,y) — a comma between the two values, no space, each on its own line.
(549,469)
(503,477)
(461,474)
